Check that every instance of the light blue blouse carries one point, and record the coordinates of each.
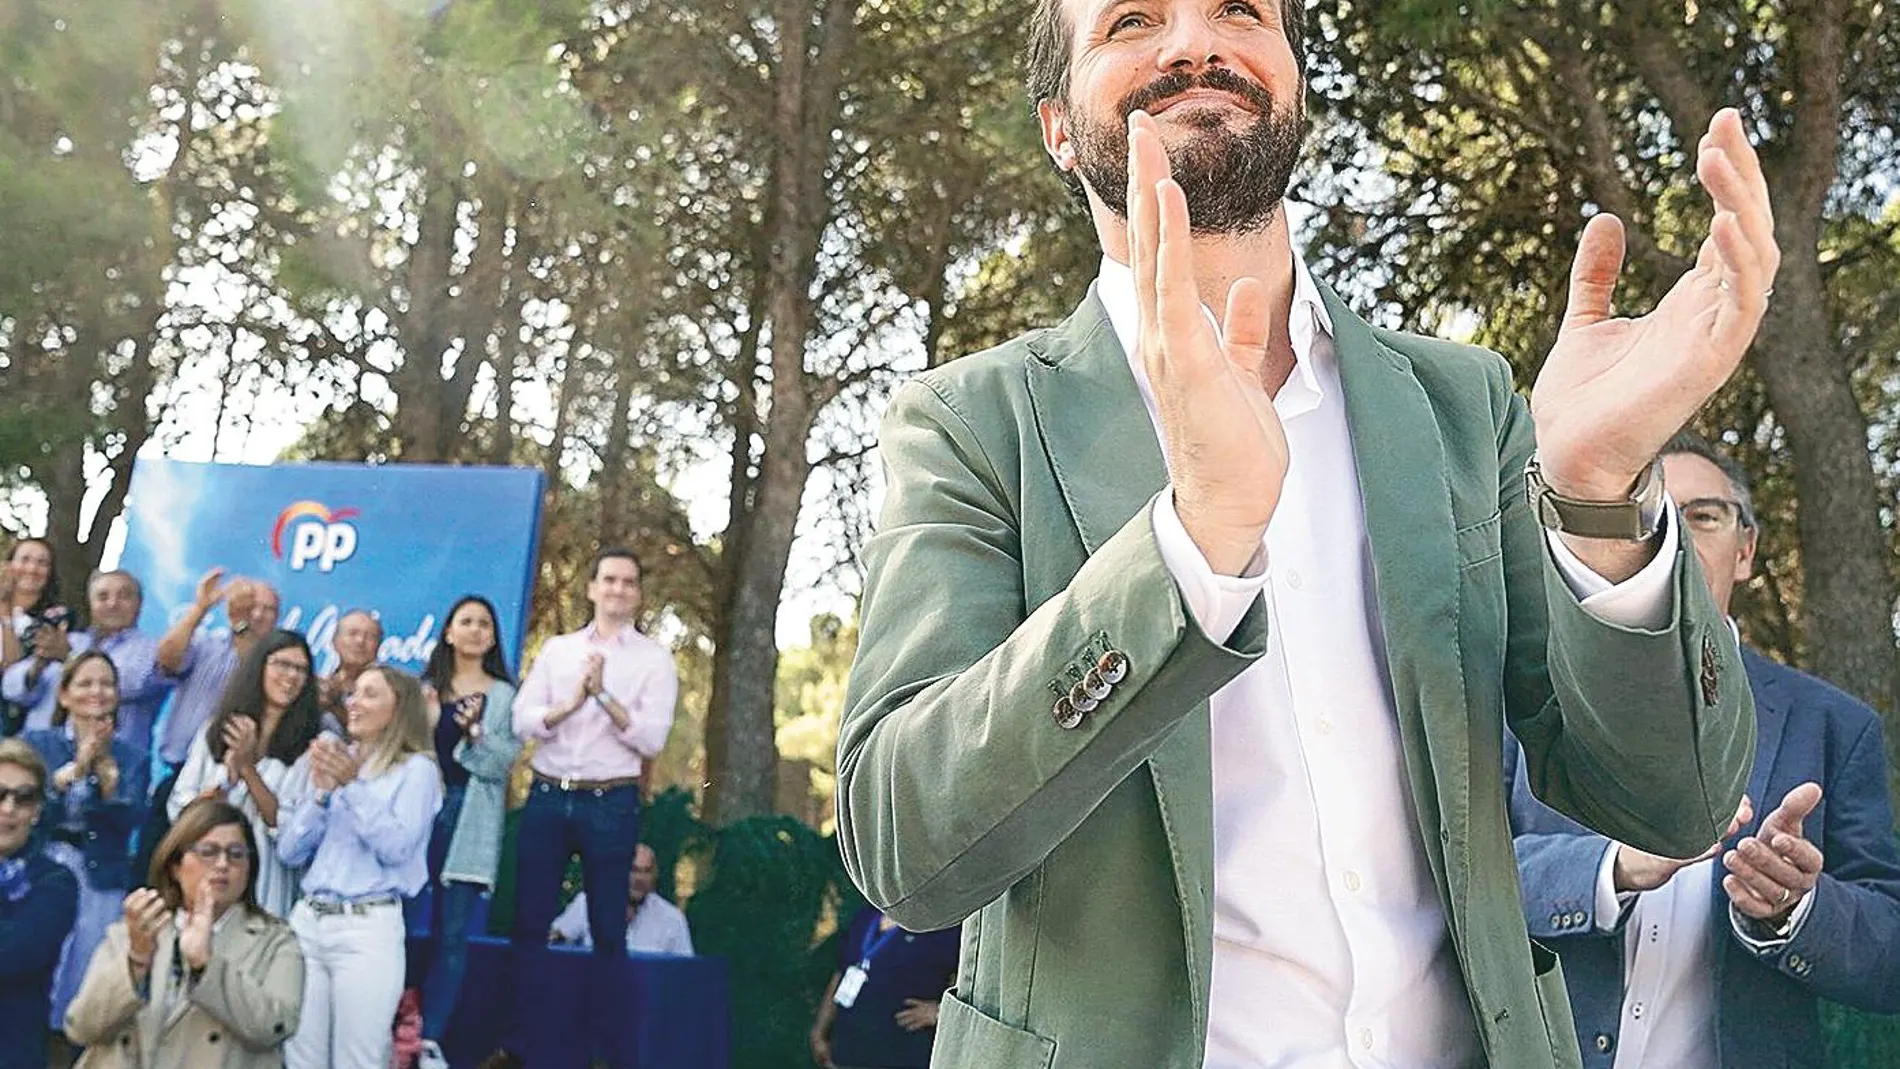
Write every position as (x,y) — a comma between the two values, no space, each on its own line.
(371,837)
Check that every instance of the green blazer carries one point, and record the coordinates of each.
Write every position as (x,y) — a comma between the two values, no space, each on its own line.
(1016,548)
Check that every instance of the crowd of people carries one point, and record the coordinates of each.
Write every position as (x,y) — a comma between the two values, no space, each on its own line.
(211,856)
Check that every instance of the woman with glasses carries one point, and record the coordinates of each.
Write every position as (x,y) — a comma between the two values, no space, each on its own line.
(38,900)
(364,832)
(194,974)
(254,753)
(96,800)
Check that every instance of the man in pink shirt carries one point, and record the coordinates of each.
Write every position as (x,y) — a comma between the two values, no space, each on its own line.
(599,702)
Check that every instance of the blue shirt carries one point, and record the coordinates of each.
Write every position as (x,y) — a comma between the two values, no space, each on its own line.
(209,662)
(38,901)
(370,838)
(903,965)
(142,685)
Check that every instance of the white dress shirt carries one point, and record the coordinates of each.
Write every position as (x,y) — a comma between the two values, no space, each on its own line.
(1668,1018)
(656,927)
(1330,944)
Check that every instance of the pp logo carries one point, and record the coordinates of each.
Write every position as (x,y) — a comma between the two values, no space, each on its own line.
(317,536)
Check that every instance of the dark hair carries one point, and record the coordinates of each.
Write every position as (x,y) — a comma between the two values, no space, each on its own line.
(66,673)
(1689,443)
(440,670)
(49,594)
(196,821)
(244,696)
(1047,55)
(616,553)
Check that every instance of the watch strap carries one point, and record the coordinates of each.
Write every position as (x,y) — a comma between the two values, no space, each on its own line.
(1635,519)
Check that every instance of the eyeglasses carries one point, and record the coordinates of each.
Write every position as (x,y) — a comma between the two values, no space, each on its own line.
(209,853)
(289,668)
(22,797)
(1713,515)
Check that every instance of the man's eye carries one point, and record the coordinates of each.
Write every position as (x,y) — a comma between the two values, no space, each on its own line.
(1237,7)
(1128,22)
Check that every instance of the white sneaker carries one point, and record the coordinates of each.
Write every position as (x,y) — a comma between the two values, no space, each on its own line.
(431,1056)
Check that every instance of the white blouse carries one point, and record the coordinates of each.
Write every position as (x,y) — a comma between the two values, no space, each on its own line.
(277,883)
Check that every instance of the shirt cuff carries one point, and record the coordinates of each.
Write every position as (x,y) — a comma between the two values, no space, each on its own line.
(1610,903)
(1217,601)
(1640,602)
(1759,937)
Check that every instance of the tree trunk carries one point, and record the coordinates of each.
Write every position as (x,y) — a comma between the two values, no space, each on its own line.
(741,735)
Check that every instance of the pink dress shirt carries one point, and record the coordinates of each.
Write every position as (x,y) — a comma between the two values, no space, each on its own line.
(637,672)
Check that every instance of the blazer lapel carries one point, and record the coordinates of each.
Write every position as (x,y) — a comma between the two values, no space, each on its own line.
(1411,531)
(1108,464)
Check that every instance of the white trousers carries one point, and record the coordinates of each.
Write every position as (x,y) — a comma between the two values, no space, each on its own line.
(352,979)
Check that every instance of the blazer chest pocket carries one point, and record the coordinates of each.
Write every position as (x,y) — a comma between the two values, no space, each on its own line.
(967,1038)
(1480,543)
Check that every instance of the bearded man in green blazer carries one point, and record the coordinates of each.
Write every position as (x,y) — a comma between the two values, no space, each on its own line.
(1191,636)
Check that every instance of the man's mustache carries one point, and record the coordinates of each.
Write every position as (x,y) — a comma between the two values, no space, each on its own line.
(1174,83)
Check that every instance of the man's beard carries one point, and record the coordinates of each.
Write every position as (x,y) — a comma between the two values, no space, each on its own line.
(1233,181)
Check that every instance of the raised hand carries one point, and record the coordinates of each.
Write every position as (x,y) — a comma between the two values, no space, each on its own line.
(211,589)
(1770,871)
(468,715)
(194,942)
(1635,870)
(1227,453)
(1614,390)
(145,915)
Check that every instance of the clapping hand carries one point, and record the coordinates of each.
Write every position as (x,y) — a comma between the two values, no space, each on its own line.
(1770,871)
(51,644)
(1635,870)
(332,764)
(1227,452)
(468,715)
(145,915)
(240,744)
(194,942)
(1614,390)
(596,670)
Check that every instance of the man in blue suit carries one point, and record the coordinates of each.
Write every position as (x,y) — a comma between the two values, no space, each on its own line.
(1719,960)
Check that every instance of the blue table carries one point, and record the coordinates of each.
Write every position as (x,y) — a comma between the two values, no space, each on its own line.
(662,1012)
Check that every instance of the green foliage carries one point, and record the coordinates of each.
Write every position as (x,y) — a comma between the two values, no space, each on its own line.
(770,886)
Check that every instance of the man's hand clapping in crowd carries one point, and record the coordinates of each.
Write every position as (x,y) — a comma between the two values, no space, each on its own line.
(1770,871)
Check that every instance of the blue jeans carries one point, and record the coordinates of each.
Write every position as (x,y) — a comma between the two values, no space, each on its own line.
(450,907)
(603,827)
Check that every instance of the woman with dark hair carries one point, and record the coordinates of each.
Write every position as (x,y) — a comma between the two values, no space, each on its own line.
(96,800)
(364,832)
(38,898)
(195,973)
(475,746)
(254,752)
(29,596)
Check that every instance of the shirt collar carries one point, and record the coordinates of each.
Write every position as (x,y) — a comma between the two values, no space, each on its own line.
(1308,324)
(598,637)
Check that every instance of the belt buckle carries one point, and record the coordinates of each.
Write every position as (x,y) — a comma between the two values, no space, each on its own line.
(567,783)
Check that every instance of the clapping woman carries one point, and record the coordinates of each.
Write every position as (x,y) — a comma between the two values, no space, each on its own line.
(96,801)
(364,833)
(475,746)
(195,974)
(253,753)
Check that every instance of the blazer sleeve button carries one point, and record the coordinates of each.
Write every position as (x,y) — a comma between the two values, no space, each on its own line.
(1079,696)
(1113,666)
(1067,716)
(1094,685)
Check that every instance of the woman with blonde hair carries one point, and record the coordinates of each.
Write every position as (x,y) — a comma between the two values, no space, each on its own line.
(364,833)
(95,801)
(196,974)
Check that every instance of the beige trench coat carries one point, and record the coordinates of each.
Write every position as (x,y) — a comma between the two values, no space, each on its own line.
(236,1016)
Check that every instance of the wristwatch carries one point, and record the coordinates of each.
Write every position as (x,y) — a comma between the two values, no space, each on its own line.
(1635,519)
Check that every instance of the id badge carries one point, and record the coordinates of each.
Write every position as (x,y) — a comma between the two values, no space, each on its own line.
(849,986)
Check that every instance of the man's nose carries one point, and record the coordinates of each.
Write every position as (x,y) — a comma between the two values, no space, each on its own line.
(1190,43)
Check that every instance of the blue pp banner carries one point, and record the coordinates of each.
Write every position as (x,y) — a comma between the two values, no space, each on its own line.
(402,540)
